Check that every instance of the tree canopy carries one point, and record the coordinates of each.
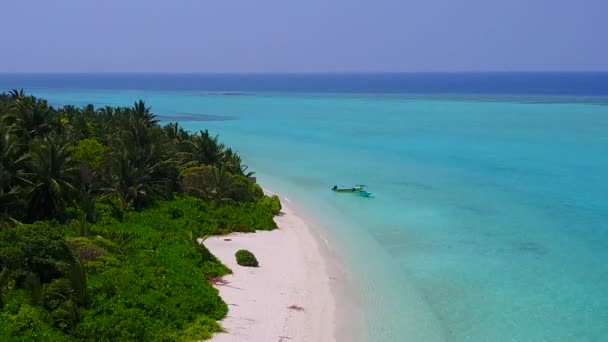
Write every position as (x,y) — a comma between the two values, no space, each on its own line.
(100,209)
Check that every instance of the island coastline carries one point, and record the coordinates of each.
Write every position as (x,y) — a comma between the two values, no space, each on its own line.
(297,292)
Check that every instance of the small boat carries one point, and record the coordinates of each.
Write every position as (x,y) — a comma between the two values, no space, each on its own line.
(358,189)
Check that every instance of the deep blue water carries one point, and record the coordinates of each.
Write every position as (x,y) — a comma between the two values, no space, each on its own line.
(490,216)
(585,84)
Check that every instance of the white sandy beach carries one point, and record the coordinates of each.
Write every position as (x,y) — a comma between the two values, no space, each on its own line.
(288,298)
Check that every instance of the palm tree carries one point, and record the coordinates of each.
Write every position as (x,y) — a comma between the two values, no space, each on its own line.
(213,183)
(13,179)
(234,164)
(135,133)
(130,180)
(52,175)
(175,133)
(221,185)
(206,149)
(7,118)
(75,122)
(178,144)
(11,204)
(32,115)
(104,122)
(140,112)
(4,284)
(12,159)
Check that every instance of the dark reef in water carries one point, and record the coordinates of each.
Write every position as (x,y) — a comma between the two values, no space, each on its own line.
(181,117)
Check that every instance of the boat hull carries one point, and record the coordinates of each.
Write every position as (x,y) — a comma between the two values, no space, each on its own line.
(349,190)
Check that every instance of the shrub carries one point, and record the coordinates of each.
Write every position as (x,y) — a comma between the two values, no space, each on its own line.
(247,217)
(105,244)
(57,292)
(28,324)
(201,329)
(243,190)
(153,288)
(85,249)
(219,185)
(102,265)
(34,248)
(89,151)
(273,203)
(65,316)
(145,275)
(246,258)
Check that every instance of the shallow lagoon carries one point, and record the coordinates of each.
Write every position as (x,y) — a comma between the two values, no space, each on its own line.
(490,216)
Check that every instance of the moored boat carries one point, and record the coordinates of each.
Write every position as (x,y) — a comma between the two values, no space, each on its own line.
(358,189)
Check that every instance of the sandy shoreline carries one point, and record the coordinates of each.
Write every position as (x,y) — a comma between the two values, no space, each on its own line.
(289,297)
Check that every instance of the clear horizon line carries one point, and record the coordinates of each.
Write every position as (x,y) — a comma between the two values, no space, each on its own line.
(301,72)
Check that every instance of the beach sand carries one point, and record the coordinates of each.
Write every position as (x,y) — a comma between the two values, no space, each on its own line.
(289,297)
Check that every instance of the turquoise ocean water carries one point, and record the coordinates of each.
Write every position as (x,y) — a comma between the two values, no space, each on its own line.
(490,215)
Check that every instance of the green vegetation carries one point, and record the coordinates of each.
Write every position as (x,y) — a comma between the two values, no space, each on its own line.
(100,210)
(89,151)
(246,258)
(273,204)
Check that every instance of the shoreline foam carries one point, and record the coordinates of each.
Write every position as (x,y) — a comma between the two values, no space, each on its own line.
(290,297)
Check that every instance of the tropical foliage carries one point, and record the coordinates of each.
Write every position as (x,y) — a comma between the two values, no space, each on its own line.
(100,211)
(246,258)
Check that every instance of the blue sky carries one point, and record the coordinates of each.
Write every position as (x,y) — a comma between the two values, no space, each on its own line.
(303,36)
